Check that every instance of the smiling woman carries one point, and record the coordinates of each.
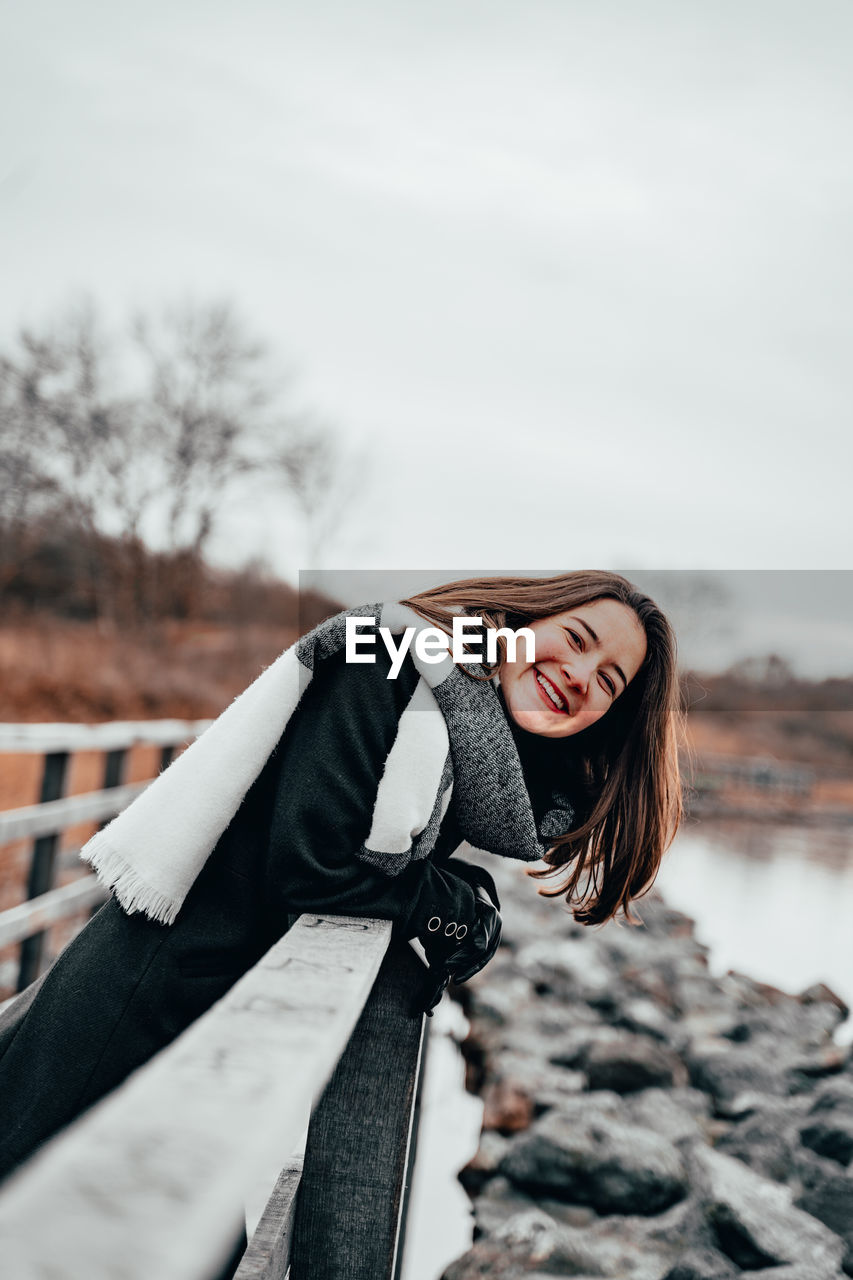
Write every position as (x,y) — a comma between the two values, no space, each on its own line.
(604,685)
(330,787)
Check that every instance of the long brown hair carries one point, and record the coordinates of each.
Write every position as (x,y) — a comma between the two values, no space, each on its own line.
(627,791)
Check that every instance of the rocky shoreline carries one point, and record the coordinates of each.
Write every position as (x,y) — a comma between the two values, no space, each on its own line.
(645,1119)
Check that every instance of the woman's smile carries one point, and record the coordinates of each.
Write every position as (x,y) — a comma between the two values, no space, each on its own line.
(550,694)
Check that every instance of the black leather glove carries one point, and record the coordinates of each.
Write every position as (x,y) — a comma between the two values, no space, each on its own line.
(477,877)
(459,949)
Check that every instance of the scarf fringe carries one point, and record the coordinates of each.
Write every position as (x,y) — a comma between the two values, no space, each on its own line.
(122,879)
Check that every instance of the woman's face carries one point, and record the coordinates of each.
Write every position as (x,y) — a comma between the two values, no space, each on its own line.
(585,658)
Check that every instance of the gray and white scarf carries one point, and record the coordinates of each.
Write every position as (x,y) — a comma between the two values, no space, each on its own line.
(452,739)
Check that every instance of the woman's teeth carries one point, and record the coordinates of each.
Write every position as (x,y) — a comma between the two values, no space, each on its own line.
(551,692)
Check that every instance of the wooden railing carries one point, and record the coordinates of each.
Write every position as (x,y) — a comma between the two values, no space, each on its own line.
(152,1180)
(45,821)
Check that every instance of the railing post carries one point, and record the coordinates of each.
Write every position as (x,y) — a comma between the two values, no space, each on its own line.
(352,1197)
(114,768)
(42,865)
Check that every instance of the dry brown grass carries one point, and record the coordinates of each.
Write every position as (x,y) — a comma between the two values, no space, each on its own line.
(60,670)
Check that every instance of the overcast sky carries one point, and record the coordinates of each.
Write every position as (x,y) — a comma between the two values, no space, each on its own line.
(576,277)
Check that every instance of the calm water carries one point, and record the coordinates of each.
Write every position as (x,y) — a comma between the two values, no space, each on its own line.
(773,901)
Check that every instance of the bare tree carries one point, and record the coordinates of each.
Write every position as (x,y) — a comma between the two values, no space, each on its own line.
(142,438)
(323,481)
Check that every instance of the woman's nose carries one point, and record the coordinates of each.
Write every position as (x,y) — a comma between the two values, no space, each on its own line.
(578,678)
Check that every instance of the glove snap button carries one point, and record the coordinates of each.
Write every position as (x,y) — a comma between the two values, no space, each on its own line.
(450,929)
(434,924)
(461,930)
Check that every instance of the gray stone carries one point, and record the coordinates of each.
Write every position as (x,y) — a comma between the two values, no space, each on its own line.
(829,1127)
(498,1201)
(675,1114)
(573,1048)
(631,1064)
(548,1085)
(484,1164)
(834,1094)
(571,968)
(768,1137)
(486,1258)
(755,1221)
(827,1194)
(798,1271)
(646,1017)
(728,1072)
(830,1135)
(589,1159)
(820,994)
(702,1264)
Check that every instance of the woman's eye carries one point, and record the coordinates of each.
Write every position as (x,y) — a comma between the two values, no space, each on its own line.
(577,639)
(609,686)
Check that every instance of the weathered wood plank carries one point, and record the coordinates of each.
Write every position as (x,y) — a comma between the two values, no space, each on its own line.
(149,1182)
(349,1211)
(47,819)
(47,909)
(268,1253)
(116,734)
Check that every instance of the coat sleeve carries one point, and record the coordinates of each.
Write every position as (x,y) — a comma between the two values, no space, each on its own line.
(328,767)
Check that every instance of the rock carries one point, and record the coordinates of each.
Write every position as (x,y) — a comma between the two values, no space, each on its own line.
(485,1258)
(507,1107)
(548,1086)
(768,1137)
(804,1070)
(497,997)
(529,1238)
(590,1159)
(827,1194)
(646,1017)
(532,1231)
(702,1264)
(592,1248)
(662,921)
(568,968)
(829,1128)
(752,993)
(728,1073)
(497,1203)
(674,1232)
(834,1094)
(809,1027)
(632,1063)
(754,1219)
(484,1164)
(830,1136)
(574,1047)
(820,993)
(675,1114)
(799,1271)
